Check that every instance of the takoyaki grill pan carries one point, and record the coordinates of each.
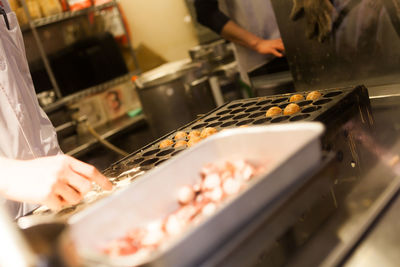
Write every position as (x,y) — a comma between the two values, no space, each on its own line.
(327,109)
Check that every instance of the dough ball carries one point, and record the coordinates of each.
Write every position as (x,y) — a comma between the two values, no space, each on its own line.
(193,134)
(180,135)
(314,95)
(194,140)
(180,143)
(166,143)
(274,111)
(291,109)
(206,132)
(296,97)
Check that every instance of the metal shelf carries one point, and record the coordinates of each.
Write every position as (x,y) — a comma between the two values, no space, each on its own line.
(89,91)
(70,14)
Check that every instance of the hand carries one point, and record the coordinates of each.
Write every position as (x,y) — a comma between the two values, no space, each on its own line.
(274,47)
(52,181)
(318,14)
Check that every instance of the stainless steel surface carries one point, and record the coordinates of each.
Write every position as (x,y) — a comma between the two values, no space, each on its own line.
(284,168)
(212,52)
(174,94)
(76,145)
(364,48)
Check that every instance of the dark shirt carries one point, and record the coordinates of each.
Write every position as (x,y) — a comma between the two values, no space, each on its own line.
(209,15)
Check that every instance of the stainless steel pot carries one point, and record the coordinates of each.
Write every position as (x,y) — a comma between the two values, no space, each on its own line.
(174,94)
(213,52)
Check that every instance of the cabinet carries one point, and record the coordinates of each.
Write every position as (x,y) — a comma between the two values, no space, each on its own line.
(52,40)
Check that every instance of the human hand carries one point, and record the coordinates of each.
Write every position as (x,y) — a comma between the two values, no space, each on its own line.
(54,181)
(318,14)
(274,47)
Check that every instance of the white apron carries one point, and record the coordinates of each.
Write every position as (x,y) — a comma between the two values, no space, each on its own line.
(25,130)
(257,17)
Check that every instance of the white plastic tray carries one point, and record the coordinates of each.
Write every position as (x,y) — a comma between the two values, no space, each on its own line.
(288,151)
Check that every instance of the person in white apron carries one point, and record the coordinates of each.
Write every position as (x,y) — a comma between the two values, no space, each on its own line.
(25,130)
(250,24)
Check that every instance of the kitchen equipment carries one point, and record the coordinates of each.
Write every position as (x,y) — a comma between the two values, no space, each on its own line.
(272,147)
(334,109)
(331,109)
(174,94)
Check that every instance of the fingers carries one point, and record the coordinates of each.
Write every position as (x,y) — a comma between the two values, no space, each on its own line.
(78,182)
(54,202)
(66,192)
(90,173)
(276,53)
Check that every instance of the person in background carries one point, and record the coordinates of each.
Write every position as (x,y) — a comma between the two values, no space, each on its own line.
(33,167)
(252,27)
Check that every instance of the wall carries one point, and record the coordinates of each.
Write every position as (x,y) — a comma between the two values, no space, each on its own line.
(162,25)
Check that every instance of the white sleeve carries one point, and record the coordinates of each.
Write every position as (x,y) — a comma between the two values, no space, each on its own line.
(5,5)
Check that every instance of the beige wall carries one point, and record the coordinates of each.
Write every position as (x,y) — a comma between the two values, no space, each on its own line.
(161,25)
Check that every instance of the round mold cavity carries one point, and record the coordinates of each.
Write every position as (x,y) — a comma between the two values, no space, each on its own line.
(151,152)
(229,123)
(261,103)
(244,122)
(333,94)
(322,101)
(304,103)
(176,152)
(223,112)
(165,152)
(249,104)
(226,118)
(149,162)
(138,160)
(279,100)
(239,117)
(215,124)
(258,114)
(236,111)
(198,126)
(249,110)
(212,119)
(234,106)
(161,161)
(267,107)
(300,117)
(280,119)
(262,121)
(310,109)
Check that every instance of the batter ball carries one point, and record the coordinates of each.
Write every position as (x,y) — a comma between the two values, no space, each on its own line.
(291,109)
(166,143)
(180,135)
(193,134)
(314,95)
(274,111)
(194,140)
(295,98)
(180,143)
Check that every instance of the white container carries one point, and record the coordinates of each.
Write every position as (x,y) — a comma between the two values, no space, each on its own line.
(289,152)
